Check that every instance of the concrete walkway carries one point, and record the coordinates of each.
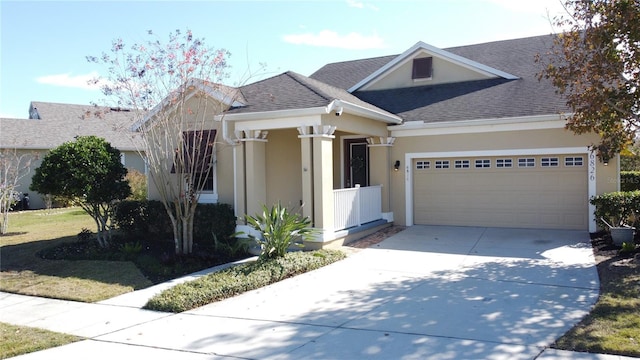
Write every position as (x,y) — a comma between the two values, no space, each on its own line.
(428,292)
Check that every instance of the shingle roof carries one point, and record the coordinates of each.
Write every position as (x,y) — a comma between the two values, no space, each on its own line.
(496,98)
(60,123)
(291,90)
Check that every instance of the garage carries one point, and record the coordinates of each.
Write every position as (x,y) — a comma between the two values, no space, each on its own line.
(532,191)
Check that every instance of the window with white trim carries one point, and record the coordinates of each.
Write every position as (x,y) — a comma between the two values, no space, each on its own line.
(526,162)
(504,163)
(422,68)
(549,162)
(461,164)
(482,163)
(421,165)
(573,161)
(442,164)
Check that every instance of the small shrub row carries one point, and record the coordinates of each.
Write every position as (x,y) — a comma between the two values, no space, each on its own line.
(629,180)
(617,208)
(238,279)
(149,218)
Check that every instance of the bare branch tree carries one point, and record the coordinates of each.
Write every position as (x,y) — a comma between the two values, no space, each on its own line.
(13,167)
(175,91)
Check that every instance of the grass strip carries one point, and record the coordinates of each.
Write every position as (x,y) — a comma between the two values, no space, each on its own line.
(238,279)
(18,340)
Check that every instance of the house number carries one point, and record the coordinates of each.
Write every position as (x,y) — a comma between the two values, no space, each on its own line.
(592,166)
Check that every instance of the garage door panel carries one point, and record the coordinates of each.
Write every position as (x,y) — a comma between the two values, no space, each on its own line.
(539,197)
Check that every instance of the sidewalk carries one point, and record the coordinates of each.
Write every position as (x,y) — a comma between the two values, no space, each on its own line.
(385,303)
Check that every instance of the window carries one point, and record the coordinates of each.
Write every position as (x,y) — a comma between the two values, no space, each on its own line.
(422,68)
(461,164)
(504,163)
(421,165)
(483,163)
(526,162)
(549,162)
(573,161)
(197,158)
(442,164)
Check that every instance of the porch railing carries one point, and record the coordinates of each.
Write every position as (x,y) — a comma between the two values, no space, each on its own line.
(357,206)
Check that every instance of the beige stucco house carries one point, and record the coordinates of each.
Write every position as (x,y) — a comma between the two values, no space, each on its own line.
(460,136)
(52,124)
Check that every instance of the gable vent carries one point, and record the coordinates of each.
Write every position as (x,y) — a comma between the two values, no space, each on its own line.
(422,68)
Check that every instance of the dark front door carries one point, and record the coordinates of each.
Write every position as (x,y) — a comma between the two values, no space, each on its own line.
(356,162)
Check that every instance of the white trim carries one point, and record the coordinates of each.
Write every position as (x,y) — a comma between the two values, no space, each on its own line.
(538,122)
(592,163)
(443,54)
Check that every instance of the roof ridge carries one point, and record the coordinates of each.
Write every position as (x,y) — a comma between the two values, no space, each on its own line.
(306,83)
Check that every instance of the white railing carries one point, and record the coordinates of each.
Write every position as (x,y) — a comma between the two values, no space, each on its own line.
(356,206)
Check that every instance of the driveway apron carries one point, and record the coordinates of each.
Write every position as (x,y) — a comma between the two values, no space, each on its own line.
(428,292)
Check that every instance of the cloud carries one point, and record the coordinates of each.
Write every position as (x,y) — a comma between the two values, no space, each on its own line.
(328,38)
(69,80)
(361,5)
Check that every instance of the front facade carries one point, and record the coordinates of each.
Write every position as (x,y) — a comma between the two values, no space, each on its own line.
(462,136)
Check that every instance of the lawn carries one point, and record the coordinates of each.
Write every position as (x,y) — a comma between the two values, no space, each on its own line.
(18,340)
(613,326)
(22,271)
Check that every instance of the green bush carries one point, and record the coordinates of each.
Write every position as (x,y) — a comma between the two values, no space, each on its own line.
(280,229)
(149,218)
(138,183)
(617,208)
(629,180)
(240,278)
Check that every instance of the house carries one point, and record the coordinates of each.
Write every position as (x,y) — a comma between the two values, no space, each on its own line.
(459,136)
(52,124)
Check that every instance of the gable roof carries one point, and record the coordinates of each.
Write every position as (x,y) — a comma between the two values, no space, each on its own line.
(59,123)
(481,99)
(292,91)
(448,56)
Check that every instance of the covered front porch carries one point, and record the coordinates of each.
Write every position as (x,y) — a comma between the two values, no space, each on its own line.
(332,166)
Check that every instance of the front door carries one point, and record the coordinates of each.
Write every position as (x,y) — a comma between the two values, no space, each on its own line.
(356,162)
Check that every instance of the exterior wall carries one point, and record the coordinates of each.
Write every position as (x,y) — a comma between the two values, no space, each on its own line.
(502,140)
(443,72)
(284,170)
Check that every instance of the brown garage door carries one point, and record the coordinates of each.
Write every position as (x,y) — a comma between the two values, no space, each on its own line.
(548,192)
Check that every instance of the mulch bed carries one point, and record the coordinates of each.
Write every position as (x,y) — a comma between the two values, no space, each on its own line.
(376,237)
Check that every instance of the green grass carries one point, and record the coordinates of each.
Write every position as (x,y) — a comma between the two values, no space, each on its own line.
(23,272)
(613,326)
(18,340)
(239,279)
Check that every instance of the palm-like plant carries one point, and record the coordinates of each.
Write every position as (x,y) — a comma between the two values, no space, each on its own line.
(280,229)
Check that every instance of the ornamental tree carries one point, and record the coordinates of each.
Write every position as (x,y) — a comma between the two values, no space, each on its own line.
(13,167)
(89,172)
(595,64)
(175,86)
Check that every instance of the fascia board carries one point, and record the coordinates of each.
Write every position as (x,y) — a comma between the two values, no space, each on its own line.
(407,55)
(417,128)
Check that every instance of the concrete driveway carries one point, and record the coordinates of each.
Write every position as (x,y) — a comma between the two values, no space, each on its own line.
(428,292)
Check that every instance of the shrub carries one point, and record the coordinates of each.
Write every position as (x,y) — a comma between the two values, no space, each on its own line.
(629,180)
(149,218)
(617,208)
(280,229)
(240,278)
(138,183)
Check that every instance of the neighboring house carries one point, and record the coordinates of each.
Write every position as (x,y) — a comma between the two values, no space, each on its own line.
(51,124)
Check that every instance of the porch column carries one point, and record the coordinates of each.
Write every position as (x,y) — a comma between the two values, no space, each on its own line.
(307,171)
(381,167)
(240,201)
(322,177)
(255,171)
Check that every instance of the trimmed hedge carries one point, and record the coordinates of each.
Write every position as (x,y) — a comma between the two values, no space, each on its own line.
(149,218)
(240,278)
(617,208)
(629,180)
